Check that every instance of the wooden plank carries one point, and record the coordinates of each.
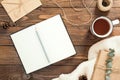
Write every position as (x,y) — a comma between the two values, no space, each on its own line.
(77,35)
(16,72)
(10,56)
(56,71)
(80,36)
(76,3)
(44,13)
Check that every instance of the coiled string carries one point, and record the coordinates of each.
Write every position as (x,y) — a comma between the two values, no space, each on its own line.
(77,10)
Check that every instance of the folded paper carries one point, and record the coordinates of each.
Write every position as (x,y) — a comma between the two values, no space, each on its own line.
(19,8)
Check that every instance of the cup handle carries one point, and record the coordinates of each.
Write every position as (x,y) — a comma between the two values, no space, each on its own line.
(115,22)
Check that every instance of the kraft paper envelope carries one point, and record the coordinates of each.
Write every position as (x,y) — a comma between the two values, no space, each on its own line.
(19,8)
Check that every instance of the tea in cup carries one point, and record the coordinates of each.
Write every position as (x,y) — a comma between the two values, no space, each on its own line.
(103,26)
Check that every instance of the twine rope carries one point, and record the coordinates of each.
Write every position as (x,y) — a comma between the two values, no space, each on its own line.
(76,10)
(114,69)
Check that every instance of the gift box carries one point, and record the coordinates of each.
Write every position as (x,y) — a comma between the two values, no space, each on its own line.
(19,8)
(100,66)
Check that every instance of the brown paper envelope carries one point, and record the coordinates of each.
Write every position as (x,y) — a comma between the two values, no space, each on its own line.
(19,8)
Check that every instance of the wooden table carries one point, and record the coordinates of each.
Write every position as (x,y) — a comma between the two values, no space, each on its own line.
(10,64)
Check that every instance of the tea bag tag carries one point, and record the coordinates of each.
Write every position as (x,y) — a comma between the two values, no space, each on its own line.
(115,22)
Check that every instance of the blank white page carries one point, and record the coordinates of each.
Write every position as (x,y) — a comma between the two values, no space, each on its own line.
(55,39)
(29,49)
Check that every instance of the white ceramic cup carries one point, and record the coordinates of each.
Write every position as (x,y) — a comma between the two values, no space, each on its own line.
(111,24)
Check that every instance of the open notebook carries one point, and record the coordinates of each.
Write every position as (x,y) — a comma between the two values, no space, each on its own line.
(43,44)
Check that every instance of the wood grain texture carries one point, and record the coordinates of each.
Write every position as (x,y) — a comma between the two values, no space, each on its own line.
(8,55)
(10,65)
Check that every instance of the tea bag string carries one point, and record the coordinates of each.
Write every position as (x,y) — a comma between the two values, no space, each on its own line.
(77,10)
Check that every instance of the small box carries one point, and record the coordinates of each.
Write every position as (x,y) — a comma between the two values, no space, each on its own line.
(100,67)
